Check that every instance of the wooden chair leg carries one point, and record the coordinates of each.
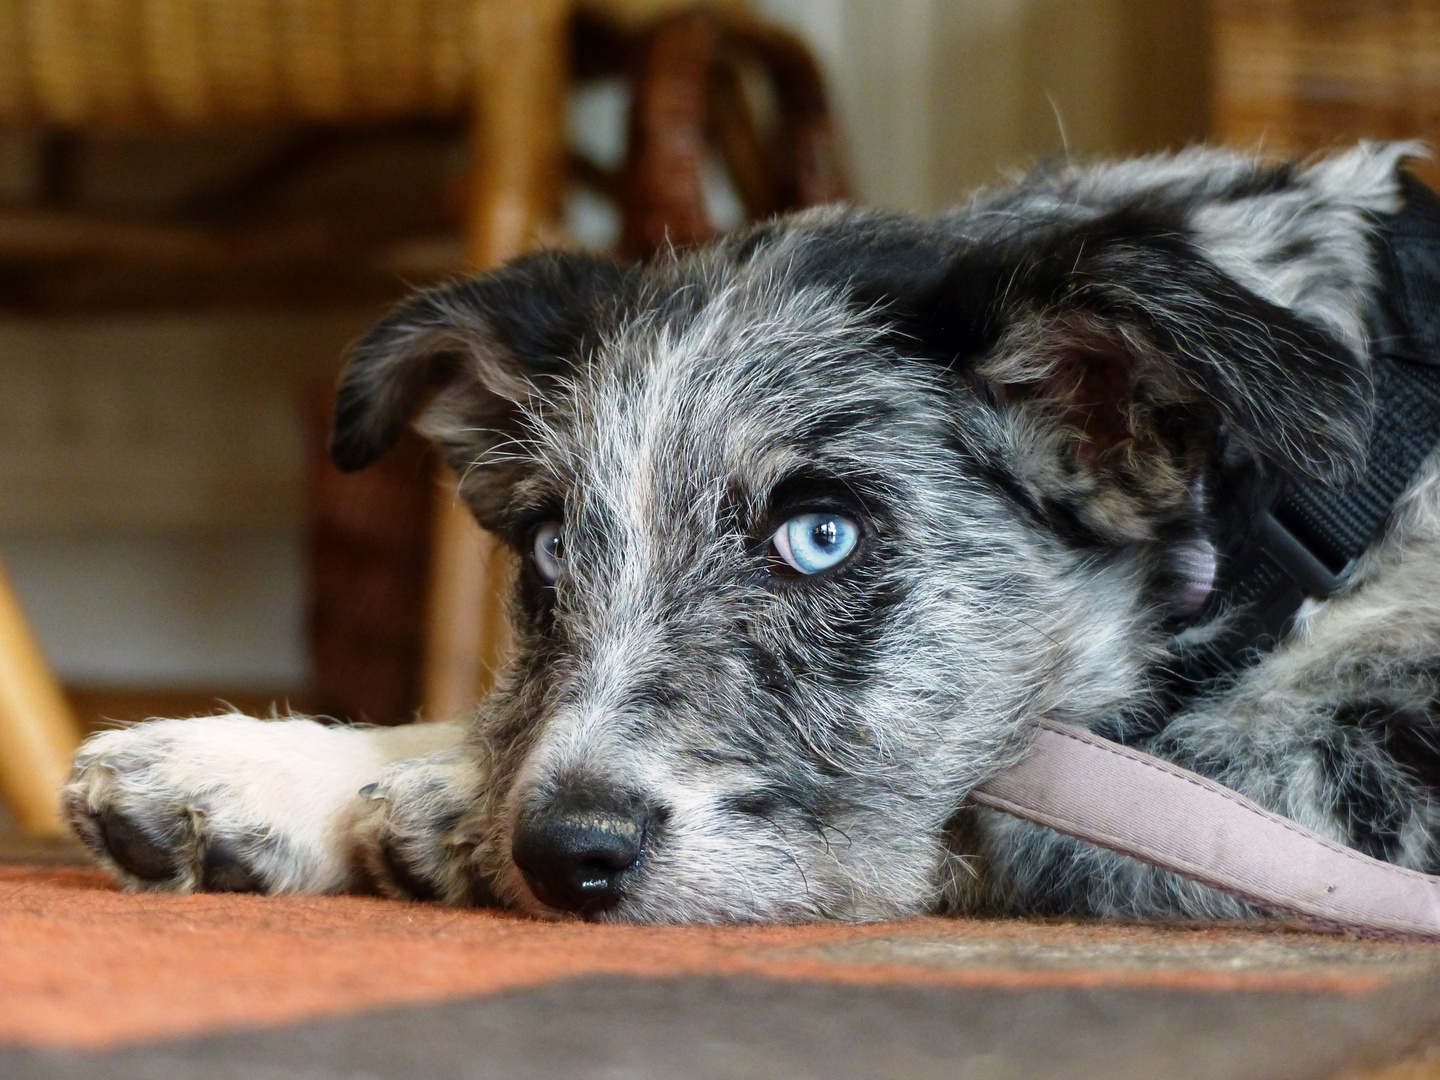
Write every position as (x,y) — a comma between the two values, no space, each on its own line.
(465,632)
(517,144)
(38,732)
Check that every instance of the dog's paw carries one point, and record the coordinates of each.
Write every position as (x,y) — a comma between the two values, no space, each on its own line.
(412,837)
(220,803)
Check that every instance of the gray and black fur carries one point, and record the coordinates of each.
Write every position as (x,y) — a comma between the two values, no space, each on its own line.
(1051,414)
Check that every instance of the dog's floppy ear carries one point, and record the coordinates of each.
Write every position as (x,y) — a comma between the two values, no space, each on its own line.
(466,355)
(501,333)
(1125,326)
(1112,321)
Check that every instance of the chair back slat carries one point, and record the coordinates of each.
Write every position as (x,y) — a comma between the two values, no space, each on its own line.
(205,63)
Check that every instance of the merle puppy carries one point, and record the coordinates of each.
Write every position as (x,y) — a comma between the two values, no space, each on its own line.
(811,525)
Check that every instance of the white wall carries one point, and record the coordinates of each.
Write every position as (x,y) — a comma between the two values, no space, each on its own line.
(939,96)
(210,611)
(152,492)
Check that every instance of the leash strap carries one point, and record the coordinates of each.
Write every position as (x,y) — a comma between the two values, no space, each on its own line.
(1116,797)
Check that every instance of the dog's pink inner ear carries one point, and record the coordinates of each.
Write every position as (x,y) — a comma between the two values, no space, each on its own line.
(1091,389)
(1197,563)
(1110,445)
(1095,390)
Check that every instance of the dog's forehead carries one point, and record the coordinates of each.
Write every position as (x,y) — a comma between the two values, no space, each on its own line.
(747,382)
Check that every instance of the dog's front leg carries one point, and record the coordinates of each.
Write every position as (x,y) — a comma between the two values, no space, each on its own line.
(233,803)
(416,837)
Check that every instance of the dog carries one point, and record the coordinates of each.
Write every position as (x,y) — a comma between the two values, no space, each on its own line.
(811,526)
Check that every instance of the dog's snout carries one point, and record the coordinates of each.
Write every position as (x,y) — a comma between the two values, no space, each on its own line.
(573,854)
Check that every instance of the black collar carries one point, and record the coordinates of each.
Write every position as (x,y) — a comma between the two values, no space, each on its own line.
(1308,540)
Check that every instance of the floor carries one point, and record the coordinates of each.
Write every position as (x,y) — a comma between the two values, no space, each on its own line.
(97,983)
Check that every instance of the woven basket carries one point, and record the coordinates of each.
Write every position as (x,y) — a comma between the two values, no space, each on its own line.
(189,63)
(1300,75)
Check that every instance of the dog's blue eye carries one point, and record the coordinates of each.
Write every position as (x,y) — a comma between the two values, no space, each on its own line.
(814,542)
(547,550)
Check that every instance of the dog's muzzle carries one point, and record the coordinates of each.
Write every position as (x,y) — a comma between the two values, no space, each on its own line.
(574,851)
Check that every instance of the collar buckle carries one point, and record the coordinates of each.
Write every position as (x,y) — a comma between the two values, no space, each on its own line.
(1299,563)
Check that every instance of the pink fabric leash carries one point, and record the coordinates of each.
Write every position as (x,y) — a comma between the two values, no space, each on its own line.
(1098,791)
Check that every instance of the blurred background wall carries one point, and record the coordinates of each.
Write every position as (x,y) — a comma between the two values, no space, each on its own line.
(939,96)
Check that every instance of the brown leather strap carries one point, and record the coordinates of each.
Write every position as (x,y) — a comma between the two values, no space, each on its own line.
(1111,795)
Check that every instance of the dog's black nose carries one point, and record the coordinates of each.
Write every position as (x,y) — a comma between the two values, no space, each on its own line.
(573,853)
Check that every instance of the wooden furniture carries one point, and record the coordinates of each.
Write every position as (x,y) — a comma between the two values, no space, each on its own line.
(1297,76)
(38,732)
(518,147)
(691,75)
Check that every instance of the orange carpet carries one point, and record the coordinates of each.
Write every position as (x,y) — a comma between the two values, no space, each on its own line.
(87,966)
